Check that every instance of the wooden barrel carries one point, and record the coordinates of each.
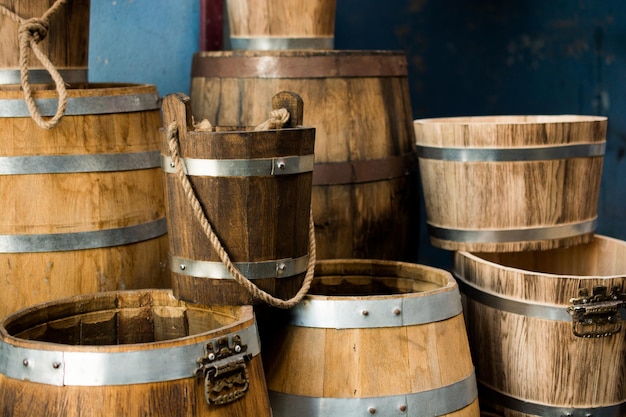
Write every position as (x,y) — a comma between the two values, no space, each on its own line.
(83,207)
(66,44)
(255,189)
(373,338)
(511,183)
(365,190)
(545,328)
(133,354)
(281,24)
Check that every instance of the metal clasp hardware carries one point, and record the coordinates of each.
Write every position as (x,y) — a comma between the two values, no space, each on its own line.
(224,369)
(597,315)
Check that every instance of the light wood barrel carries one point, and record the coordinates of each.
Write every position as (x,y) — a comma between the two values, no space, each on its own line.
(541,346)
(83,207)
(255,190)
(365,188)
(373,338)
(511,183)
(281,24)
(133,354)
(66,44)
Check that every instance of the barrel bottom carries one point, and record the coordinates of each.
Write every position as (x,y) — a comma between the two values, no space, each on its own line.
(210,291)
(179,398)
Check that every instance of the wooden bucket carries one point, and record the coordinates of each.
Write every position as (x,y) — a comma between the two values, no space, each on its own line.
(133,354)
(66,44)
(255,190)
(373,338)
(541,346)
(281,24)
(83,207)
(511,183)
(365,195)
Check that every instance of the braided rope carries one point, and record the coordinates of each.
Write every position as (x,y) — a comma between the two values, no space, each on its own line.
(172,135)
(30,33)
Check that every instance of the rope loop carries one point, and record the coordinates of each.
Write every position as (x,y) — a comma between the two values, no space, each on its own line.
(172,136)
(277,120)
(30,33)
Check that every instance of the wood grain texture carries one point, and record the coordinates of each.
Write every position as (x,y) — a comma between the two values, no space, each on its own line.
(81,202)
(371,362)
(510,195)
(361,113)
(281,18)
(126,321)
(67,43)
(541,360)
(257,218)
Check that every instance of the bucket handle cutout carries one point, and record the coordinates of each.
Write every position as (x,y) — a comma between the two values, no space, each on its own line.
(30,33)
(277,120)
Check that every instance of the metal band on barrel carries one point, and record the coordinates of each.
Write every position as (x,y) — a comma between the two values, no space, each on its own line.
(276,43)
(91,368)
(82,240)
(284,165)
(78,106)
(536,409)
(375,313)
(430,403)
(578,150)
(513,235)
(279,268)
(58,164)
(42,76)
(325,65)
(510,305)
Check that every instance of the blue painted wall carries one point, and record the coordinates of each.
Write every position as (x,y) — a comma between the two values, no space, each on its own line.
(466,58)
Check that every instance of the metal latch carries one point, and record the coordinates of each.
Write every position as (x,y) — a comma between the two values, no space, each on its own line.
(597,315)
(224,369)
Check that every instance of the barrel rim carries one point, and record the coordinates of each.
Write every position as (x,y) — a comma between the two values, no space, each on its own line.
(246,317)
(446,283)
(511,119)
(476,257)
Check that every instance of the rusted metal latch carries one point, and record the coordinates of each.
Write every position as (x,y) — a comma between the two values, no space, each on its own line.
(597,314)
(224,369)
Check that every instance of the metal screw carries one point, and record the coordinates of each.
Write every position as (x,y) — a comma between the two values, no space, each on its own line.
(237,348)
(281,164)
(211,356)
(403,408)
(56,365)
(280,268)
(182,267)
(372,410)
(172,165)
(365,312)
(397,311)
(25,362)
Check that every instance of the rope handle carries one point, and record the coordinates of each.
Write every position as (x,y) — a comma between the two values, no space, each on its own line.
(30,33)
(172,137)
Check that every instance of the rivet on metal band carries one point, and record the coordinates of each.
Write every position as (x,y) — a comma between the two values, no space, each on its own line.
(536,409)
(578,150)
(513,235)
(41,76)
(276,43)
(355,313)
(510,305)
(87,367)
(278,268)
(431,403)
(59,164)
(78,106)
(282,165)
(82,240)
